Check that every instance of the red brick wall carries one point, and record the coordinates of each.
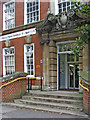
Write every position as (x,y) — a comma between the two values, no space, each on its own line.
(14,90)
(43,9)
(18,43)
(86,99)
(38,54)
(19,13)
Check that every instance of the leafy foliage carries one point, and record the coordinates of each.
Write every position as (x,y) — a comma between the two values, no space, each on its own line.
(84,30)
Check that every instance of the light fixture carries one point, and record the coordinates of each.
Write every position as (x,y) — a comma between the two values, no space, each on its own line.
(7,43)
(28,39)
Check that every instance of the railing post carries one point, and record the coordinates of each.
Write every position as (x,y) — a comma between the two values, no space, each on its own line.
(41,83)
(28,84)
(31,85)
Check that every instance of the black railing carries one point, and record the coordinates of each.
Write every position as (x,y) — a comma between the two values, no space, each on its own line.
(29,86)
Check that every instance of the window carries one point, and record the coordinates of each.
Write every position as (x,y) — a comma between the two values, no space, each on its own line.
(65,5)
(8,61)
(29,59)
(9,15)
(32,11)
(66,47)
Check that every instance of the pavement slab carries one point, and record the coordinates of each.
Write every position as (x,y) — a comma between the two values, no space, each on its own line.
(11,113)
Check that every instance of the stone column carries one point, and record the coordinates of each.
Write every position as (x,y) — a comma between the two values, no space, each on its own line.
(45,66)
(53,65)
(83,62)
(89,60)
(88,55)
(85,58)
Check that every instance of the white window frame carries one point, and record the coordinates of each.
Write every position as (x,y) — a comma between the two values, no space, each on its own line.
(57,6)
(4,73)
(25,60)
(25,12)
(62,1)
(4,27)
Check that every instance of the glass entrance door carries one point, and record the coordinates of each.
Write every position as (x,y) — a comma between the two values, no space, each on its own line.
(61,71)
(68,67)
(73,70)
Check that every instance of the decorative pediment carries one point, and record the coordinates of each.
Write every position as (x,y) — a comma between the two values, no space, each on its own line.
(62,21)
(47,24)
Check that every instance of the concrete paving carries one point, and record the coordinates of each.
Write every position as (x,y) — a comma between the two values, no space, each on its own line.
(13,112)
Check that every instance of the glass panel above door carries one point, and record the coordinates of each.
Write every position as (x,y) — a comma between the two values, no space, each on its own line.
(66,47)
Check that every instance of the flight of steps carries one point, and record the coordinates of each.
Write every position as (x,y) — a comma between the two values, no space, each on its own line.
(62,102)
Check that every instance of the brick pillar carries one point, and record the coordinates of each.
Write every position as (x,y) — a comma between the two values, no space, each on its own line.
(53,65)
(86,99)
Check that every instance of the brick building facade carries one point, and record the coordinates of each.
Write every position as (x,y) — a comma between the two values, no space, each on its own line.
(18,43)
(22,48)
(31,34)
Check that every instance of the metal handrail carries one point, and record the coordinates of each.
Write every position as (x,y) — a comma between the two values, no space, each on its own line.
(17,80)
(83,86)
(12,81)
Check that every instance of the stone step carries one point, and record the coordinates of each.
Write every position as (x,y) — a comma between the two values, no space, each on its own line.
(47,109)
(66,95)
(55,92)
(55,100)
(52,105)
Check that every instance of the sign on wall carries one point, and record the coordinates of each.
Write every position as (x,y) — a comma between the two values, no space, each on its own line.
(18,34)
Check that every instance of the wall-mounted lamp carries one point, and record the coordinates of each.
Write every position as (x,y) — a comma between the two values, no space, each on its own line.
(28,39)
(7,43)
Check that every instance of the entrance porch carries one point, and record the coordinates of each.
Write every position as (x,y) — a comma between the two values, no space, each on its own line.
(61,67)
